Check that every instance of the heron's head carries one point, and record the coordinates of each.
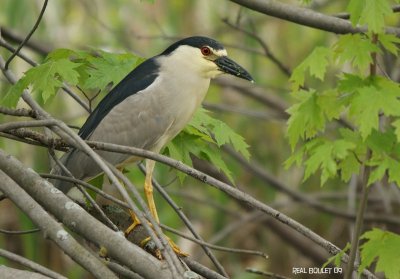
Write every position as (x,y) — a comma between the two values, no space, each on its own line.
(205,56)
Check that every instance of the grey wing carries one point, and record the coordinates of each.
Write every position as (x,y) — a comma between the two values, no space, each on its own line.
(140,121)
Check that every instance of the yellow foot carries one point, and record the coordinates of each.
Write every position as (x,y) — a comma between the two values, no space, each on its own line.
(145,242)
(174,247)
(135,223)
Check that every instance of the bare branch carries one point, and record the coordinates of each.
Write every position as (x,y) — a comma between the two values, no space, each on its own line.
(72,214)
(28,263)
(273,181)
(36,46)
(28,36)
(306,17)
(23,124)
(216,247)
(13,273)
(266,274)
(50,227)
(267,51)
(19,232)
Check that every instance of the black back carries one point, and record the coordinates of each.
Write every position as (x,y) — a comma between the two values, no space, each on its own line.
(140,78)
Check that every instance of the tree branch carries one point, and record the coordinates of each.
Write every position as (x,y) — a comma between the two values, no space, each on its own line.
(306,17)
(28,36)
(26,262)
(72,214)
(45,222)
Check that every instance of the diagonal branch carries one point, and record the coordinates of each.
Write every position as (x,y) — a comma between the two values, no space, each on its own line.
(72,214)
(49,226)
(28,36)
(28,263)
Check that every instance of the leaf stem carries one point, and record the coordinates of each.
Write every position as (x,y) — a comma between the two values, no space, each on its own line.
(372,66)
(359,221)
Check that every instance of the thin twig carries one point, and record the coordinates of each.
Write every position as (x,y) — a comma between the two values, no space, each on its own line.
(266,274)
(18,112)
(267,51)
(82,190)
(123,271)
(23,124)
(28,36)
(216,247)
(30,264)
(36,46)
(19,232)
(256,169)
(359,222)
(87,185)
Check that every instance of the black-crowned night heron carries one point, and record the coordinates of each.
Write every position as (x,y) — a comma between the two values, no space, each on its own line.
(151,105)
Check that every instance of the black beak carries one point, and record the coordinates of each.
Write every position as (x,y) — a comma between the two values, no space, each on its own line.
(229,66)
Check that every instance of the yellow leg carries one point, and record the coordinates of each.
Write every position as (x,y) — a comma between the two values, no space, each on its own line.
(148,189)
(135,223)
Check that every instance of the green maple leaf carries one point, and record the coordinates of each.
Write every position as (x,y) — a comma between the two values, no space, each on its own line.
(377,173)
(202,137)
(382,246)
(316,63)
(330,104)
(337,259)
(349,166)
(219,131)
(12,96)
(369,101)
(180,148)
(355,48)
(324,155)
(45,79)
(390,42)
(396,125)
(306,117)
(109,68)
(374,13)
(355,9)
(394,171)
(350,83)
(185,144)
(369,12)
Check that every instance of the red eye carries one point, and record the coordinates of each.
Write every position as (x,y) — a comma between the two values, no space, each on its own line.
(205,51)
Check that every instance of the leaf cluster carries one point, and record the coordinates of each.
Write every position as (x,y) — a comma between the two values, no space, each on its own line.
(366,105)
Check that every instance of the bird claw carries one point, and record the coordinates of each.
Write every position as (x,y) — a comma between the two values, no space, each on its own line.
(149,245)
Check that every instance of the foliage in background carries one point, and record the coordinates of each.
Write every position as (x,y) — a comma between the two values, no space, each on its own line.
(371,105)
